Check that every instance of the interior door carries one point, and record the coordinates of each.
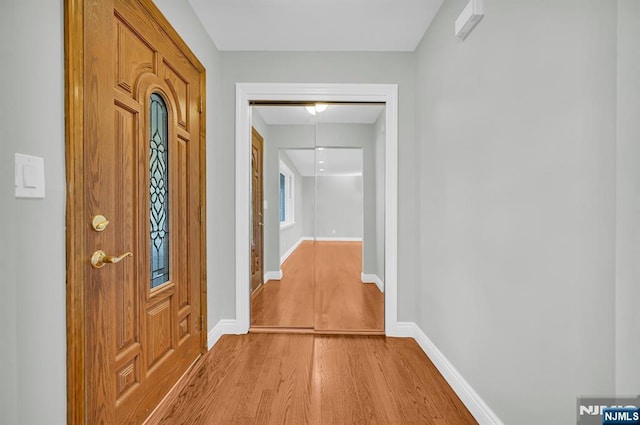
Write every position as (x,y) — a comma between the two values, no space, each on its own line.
(143,203)
(257,219)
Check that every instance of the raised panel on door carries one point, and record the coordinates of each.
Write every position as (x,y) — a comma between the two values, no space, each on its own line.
(126,308)
(160,335)
(179,86)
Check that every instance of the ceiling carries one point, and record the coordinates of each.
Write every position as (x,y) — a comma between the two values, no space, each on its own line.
(360,113)
(326,161)
(336,161)
(316,25)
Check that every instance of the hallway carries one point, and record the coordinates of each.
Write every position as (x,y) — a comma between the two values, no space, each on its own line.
(266,379)
(518,191)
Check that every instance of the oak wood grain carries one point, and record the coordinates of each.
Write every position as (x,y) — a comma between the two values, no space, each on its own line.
(310,379)
(342,301)
(320,289)
(257,221)
(288,302)
(75,241)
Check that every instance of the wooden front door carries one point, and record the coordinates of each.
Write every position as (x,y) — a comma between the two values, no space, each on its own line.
(257,237)
(135,209)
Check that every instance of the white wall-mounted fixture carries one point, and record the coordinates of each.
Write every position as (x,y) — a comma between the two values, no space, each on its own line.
(469,18)
(29,176)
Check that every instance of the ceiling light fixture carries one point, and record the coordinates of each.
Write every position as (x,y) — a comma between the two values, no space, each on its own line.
(321,162)
(318,107)
(322,169)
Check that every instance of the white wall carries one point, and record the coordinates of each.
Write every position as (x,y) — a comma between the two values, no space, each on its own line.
(628,200)
(258,123)
(309,206)
(339,207)
(363,136)
(517,144)
(379,155)
(290,236)
(348,67)
(33,366)
(277,242)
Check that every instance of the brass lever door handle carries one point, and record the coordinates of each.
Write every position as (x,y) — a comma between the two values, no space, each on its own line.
(99,259)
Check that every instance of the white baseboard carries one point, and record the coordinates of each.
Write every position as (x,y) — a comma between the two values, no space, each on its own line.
(311,238)
(478,408)
(372,278)
(272,276)
(294,247)
(223,327)
(334,239)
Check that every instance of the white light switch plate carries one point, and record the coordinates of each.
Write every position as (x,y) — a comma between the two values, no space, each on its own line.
(29,176)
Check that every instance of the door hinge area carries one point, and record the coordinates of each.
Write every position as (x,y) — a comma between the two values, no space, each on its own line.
(200,110)
(201,323)
(201,214)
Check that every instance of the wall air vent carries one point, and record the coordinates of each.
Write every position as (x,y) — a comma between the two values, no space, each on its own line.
(469,18)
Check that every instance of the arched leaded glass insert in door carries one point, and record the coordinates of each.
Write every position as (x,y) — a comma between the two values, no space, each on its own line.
(159,191)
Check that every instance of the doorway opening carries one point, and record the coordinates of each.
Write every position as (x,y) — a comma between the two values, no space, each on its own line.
(323,218)
(248,93)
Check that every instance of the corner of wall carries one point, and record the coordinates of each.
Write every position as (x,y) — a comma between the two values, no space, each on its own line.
(372,278)
(472,401)
(223,327)
(272,275)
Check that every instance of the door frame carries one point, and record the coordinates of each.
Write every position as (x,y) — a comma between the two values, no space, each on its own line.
(76,223)
(379,93)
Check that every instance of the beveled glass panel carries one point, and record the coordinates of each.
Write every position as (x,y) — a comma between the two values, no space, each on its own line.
(159,191)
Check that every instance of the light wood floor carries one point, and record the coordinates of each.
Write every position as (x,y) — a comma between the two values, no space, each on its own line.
(320,290)
(264,379)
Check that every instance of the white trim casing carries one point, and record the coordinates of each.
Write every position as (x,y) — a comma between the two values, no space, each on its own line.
(380,93)
(372,278)
(287,224)
(223,327)
(477,407)
(272,276)
(294,247)
(311,238)
(334,239)
(289,197)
